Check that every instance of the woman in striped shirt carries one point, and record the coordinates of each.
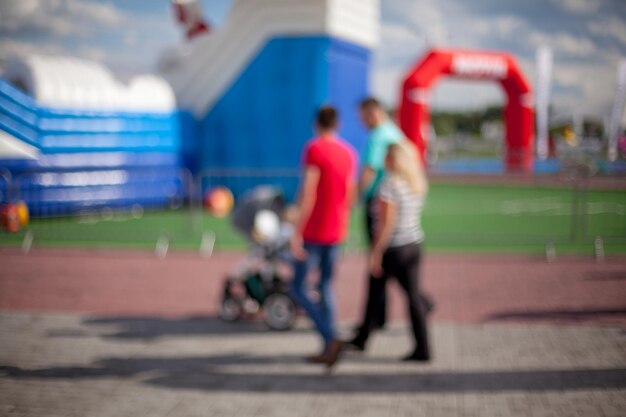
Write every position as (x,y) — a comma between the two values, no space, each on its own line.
(396,250)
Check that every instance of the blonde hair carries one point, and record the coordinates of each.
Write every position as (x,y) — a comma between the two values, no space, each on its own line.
(406,164)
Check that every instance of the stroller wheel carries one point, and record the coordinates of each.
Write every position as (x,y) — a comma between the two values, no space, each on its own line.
(280,311)
(230,309)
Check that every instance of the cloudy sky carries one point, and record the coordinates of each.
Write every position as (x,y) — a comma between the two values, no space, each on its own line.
(588,38)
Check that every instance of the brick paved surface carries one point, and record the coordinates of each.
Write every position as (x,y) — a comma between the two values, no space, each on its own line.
(475,289)
(124,334)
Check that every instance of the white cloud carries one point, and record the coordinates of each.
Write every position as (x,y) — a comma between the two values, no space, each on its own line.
(58,17)
(11,47)
(87,29)
(407,31)
(398,44)
(587,88)
(130,38)
(563,43)
(386,82)
(104,14)
(93,53)
(612,27)
(423,17)
(17,9)
(587,41)
(506,26)
(578,6)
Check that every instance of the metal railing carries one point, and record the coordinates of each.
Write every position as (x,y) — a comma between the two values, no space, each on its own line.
(111,208)
(523,212)
(5,185)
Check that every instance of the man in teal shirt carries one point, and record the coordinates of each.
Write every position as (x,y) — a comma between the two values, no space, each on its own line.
(382,133)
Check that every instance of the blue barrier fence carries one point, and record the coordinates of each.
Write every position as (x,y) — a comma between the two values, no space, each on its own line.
(90,158)
(73,192)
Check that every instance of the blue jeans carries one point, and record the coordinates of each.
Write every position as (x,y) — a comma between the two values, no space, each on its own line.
(322,313)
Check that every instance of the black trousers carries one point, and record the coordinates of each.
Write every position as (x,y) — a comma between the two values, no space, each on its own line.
(376,297)
(403,263)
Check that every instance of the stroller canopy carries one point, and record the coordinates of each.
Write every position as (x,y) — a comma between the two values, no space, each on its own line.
(263,197)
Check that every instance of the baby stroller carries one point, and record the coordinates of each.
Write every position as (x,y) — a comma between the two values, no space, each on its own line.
(257,282)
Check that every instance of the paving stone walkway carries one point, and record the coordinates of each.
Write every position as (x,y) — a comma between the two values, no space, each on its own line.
(70,364)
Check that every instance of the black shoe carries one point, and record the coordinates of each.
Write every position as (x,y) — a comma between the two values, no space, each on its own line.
(416,357)
(355,344)
(429,305)
(379,326)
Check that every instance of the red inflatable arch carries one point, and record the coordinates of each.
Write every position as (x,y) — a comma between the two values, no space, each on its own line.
(477,65)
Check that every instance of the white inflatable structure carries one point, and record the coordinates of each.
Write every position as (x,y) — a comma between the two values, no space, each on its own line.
(201,71)
(72,83)
(240,96)
(60,113)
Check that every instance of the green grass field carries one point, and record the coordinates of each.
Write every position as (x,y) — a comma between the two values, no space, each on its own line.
(457,218)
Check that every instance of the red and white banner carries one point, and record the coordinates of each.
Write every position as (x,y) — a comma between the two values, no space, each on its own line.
(414,115)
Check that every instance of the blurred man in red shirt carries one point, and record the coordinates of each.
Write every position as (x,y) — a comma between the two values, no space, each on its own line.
(326,195)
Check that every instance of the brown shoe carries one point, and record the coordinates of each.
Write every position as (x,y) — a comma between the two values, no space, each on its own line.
(332,354)
(321,358)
